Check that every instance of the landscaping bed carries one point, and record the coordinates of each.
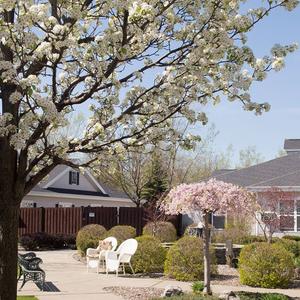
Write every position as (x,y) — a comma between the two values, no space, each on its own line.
(133,293)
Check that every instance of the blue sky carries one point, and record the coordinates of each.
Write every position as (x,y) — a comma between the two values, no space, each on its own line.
(280,89)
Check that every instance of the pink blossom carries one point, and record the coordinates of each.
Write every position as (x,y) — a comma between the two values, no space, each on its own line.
(211,196)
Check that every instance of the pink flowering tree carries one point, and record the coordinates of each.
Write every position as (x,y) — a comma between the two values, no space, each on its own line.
(209,197)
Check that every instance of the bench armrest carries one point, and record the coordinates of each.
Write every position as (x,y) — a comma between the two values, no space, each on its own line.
(27,255)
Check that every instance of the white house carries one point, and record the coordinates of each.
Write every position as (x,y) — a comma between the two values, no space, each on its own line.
(67,187)
(282,172)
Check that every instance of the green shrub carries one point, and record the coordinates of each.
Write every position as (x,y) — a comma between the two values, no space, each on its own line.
(185,260)
(238,238)
(252,239)
(122,232)
(42,240)
(188,297)
(290,245)
(297,262)
(223,236)
(150,255)
(261,296)
(292,237)
(237,229)
(266,265)
(164,231)
(274,297)
(198,287)
(88,237)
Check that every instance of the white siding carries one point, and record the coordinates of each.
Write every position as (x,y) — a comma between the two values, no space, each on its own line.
(85,184)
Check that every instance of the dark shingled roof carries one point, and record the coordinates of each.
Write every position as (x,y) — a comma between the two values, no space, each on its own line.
(282,171)
(292,144)
(221,172)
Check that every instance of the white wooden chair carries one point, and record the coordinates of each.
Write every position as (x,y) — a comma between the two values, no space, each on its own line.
(115,259)
(95,256)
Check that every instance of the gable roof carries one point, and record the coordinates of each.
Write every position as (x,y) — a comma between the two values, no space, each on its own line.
(282,172)
(48,185)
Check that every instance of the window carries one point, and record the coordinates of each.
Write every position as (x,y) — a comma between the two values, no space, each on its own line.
(64,204)
(287,218)
(28,204)
(217,221)
(74,177)
(290,216)
(298,214)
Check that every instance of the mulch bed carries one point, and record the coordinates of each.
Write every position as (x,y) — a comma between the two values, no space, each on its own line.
(226,276)
(133,293)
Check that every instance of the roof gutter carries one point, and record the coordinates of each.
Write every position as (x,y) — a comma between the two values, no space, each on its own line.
(74,196)
(265,188)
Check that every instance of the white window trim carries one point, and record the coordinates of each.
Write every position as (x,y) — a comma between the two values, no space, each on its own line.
(295,215)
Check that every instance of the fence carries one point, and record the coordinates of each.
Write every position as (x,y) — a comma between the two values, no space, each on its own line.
(68,220)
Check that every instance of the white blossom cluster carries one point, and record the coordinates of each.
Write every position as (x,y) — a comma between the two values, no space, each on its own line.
(138,64)
(5,126)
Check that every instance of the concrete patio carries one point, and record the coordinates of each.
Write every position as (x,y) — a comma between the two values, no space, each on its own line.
(74,283)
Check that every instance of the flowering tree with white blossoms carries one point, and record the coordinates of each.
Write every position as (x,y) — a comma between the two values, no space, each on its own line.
(137,63)
(209,197)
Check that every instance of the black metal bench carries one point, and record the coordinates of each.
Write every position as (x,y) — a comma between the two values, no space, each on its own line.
(30,270)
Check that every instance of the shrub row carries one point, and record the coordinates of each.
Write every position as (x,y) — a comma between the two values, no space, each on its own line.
(89,235)
(183,261)
(41,240)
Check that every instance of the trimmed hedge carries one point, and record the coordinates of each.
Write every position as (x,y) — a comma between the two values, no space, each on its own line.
(122,232)
(88,237)
(266,265)
(150,255)
(184,260)
(41,240)
(164,231)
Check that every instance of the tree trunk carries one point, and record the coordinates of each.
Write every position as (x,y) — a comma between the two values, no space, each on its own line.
(9,216)
(270,237)
(207,289)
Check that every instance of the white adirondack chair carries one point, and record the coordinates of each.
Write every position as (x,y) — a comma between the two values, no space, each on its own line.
(115,259)
(96,256)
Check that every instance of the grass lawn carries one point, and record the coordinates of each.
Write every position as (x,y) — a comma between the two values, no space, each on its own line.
(26,298)
(189,297)
(242,295)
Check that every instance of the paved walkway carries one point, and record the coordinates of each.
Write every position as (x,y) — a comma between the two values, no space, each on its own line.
(73,282)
